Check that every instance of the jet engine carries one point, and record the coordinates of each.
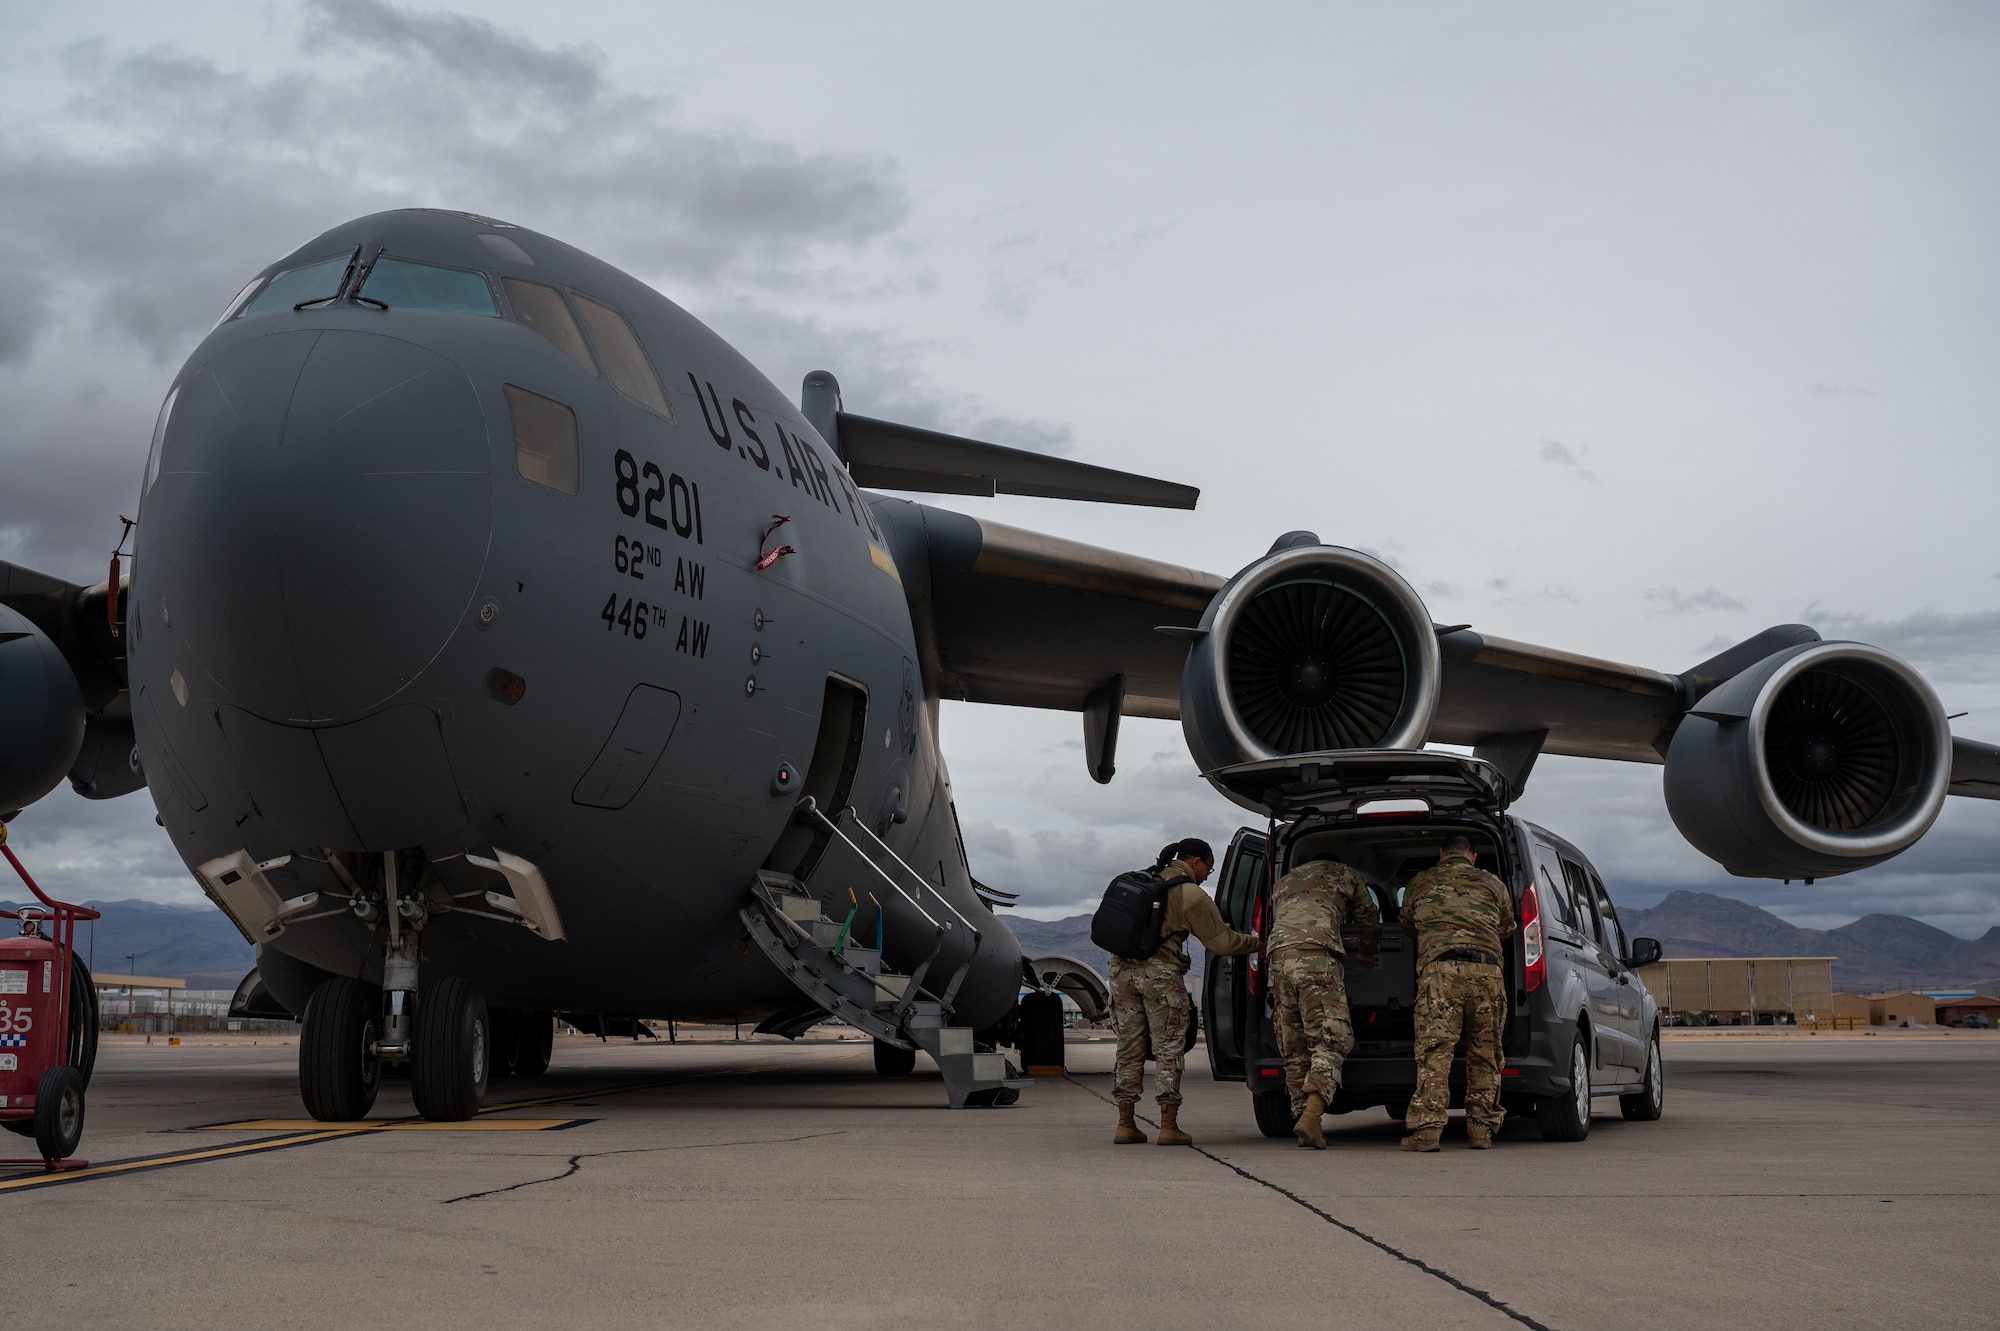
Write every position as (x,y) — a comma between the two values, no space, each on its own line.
(1311,648)
(1818,760)
(41,713)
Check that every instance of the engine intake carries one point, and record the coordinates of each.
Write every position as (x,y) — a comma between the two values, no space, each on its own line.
(1818,760)
(1311,648)
(41,713)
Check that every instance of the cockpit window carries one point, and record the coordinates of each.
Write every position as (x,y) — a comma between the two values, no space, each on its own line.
(500,247)
(544,439)
(404,284)
(237,304)
(315,281)
(624,359)
(543,309)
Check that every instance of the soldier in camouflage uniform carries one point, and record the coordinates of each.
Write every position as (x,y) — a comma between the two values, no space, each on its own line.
(1459,914)
(1309,906)
(1149,998)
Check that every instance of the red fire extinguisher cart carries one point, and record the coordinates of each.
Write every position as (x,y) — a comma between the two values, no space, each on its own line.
(47,1031)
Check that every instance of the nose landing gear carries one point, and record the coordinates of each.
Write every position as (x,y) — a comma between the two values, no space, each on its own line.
(351,1029)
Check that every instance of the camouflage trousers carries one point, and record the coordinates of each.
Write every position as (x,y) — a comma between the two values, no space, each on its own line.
(1149,1011)
(1309,1009)
(1454,996)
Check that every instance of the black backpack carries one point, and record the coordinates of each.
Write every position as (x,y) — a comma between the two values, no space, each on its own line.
(1133,914)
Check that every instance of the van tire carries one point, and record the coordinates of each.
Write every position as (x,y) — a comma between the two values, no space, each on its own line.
(1274,1112)
(1566,1118)
(1648,1104)
(1398,1109)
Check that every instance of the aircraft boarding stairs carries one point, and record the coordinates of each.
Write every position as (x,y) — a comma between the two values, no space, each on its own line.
(840,977)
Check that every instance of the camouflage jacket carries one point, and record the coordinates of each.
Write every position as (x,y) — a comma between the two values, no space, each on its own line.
(1311,903)
(1193,911)
(1454,904)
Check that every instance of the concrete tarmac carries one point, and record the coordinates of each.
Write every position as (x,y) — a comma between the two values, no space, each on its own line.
(1804,1183)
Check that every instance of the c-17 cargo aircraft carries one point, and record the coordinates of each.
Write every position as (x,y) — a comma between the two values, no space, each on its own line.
(499,643)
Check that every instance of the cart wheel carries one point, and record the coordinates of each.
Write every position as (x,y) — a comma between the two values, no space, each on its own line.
(449,1066)
(59,1112)
(338,1071)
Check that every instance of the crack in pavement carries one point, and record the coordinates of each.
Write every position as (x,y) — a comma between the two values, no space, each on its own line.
(1447,1277)
(576,1161)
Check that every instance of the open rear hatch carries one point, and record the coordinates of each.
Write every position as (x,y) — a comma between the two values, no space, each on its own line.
(1341,780)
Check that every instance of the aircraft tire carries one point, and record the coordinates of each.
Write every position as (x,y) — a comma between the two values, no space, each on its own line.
(59,1112)
(505,1026)
(538,1042)
(891,1061)
(338,1073)
(453,1056)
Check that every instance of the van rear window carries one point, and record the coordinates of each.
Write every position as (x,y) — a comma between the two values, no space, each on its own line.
(404,284)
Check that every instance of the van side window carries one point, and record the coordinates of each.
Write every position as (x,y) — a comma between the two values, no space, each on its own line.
(1579,890)
(1246,876)
(1614,936)
(1556,898)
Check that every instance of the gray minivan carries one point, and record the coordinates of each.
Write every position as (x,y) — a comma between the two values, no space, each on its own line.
(1580,1023)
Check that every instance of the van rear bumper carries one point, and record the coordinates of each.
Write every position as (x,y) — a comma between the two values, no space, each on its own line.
(1388,1076)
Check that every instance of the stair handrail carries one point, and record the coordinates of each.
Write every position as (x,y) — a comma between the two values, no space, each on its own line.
(809,807)
(972,951)
(862,828)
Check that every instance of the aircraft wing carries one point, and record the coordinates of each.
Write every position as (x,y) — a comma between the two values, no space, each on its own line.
(1026,620)
(1022,619)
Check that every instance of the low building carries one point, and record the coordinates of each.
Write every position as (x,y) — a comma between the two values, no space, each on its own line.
(1954,1011)
(1902,1008)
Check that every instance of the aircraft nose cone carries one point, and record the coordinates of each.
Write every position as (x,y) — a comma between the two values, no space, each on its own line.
(326,506)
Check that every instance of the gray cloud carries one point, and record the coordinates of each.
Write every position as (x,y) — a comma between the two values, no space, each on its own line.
(1671,600)
(1820,388)
(1568,456)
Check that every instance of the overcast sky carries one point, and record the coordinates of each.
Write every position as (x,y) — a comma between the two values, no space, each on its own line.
(1627,330)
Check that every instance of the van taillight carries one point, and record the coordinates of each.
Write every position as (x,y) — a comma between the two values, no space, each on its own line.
(1531,939)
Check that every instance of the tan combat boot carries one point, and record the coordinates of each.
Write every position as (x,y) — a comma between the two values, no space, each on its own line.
(1421,1141)
(1478,1139)
(1128,1132)
(1170,1128)
(1308,1129)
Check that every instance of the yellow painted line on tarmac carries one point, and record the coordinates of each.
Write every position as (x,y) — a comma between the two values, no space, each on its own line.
(178,1158)
(395,1125)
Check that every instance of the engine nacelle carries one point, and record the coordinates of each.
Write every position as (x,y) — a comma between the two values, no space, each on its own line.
(1311,648)
(41,713)
(1818,760)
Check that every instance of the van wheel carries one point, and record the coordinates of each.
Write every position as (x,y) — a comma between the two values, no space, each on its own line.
(1651,1102)
(1566,1118)
(1274,1112)
(1398,1110)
